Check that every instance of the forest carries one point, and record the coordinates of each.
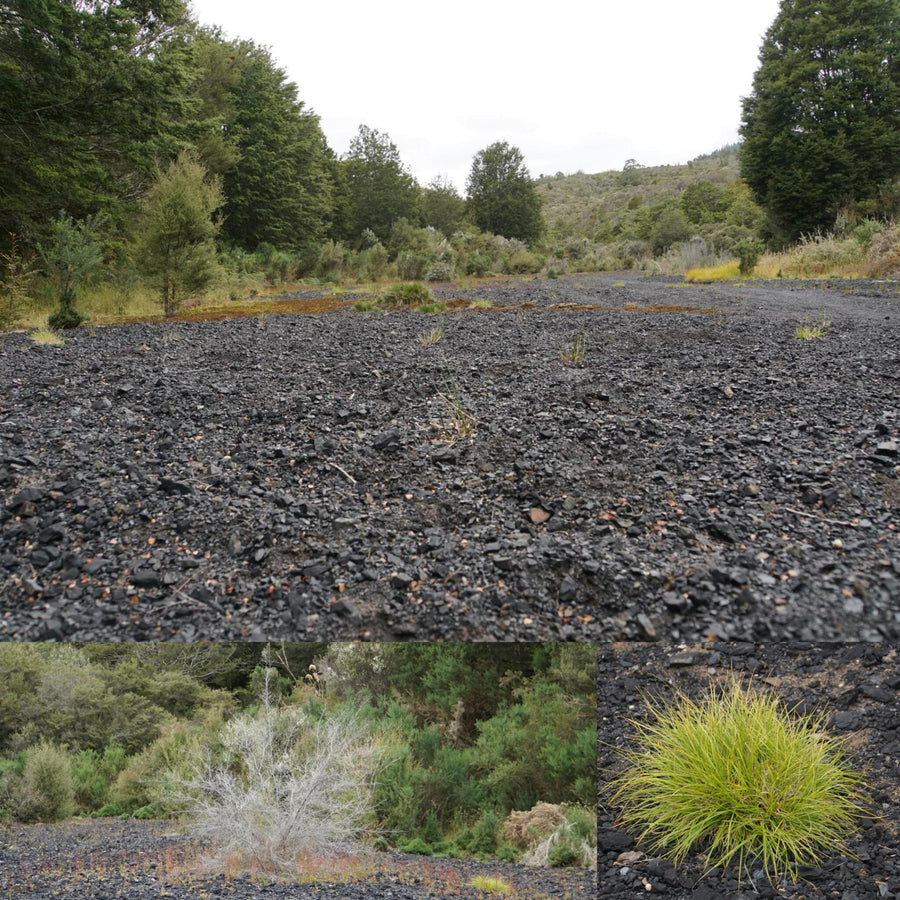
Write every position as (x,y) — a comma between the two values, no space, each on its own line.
(149,164)
(469,750)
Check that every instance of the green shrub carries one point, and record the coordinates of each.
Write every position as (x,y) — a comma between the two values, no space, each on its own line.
(748,253)
(410,294)
(484,835)
(412,265)
(93,775)
(110,810)
(479,265)
(739,774)
(524,262)
(46,792)
(432,833)
(416,845)
(563,854)
(867,230)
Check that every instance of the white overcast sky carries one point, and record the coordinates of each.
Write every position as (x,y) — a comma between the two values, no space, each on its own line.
(574,84)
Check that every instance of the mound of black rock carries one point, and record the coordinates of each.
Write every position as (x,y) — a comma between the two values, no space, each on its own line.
(701,471)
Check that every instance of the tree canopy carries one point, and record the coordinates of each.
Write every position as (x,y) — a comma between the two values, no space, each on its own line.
(821,126)
(90,94)
(501,194)
(380,189)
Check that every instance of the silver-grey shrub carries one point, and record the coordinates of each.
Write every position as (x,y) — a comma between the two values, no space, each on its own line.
(284,783)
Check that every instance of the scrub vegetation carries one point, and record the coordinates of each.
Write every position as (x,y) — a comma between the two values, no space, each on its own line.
(219,185)
(274,753)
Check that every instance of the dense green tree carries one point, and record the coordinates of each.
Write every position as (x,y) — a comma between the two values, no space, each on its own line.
(671,227)
(704,202)
(502,197)
(270,149)
(442,206)
(175,245)
(379,188)
(821,126)
(91,92)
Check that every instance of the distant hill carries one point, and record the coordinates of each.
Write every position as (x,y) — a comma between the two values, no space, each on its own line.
(593,205)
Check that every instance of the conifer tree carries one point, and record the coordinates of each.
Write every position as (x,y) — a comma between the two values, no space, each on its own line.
(821,126)
(502,196)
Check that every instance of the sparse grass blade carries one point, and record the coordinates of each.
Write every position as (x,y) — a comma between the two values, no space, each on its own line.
(575,351)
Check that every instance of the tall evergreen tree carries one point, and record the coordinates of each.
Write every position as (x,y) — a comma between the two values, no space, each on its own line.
(380,189)
(277,166)
(821,126)
(502,196)
(442,207)
(91,93)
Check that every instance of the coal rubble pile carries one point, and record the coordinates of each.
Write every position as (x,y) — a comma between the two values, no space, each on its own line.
(701,471)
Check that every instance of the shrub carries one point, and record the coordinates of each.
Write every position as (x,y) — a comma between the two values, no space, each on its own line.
(16,276)
(412,294)
(867,230)
(479,265)
(72,253)
(883,257)
(46,792)
(412,265)
(440,270)
(748,253)
(741,775)
(524,262)
(284,783)
(93,775)
(175,246)
(484,835)
(416,845)
(523,827)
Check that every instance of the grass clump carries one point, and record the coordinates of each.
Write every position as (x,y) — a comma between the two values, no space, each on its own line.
(738,774)
(490,885)
(574,352)
(811,331)
(723,272)
(457,420)
(432,335)
(407,294)
(46,336)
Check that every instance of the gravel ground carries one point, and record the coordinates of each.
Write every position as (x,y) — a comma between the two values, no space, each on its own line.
(858,689)
(702,472)
(103,859)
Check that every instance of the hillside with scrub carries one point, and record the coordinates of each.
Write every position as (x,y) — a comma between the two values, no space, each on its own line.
(277,754)
(219,187)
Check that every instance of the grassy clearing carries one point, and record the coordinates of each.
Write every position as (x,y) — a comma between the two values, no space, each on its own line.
(741,776)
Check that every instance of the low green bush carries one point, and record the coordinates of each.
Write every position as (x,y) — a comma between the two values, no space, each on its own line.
(416,845)
(406,294)
(742,777)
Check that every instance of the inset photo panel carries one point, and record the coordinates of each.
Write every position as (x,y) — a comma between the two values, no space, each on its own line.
(298,770)
(742,770)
